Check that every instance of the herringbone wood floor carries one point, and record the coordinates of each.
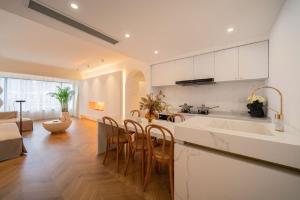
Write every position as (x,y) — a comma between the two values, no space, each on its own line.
(65,166)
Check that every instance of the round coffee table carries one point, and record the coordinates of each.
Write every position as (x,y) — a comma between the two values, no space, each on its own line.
(55,126)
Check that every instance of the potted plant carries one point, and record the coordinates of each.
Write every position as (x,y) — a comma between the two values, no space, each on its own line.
(63,95)
(153,104)
(257,106)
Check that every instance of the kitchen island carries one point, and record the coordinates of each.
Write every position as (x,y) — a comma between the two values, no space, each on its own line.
(235,159)
(225,158)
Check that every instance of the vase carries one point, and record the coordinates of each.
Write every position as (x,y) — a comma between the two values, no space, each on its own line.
(256,109)
(65,116)
(150,116)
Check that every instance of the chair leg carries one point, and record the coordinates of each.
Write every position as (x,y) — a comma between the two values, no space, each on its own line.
(143,165)
(171,174)
(157,167)
(148,173)
(118,146)
(106,153)
(128,160)
(127,148)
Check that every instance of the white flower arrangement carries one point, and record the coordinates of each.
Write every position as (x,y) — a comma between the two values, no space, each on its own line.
(260,99)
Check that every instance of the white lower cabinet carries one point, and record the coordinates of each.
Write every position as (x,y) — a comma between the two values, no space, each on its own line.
(202,174)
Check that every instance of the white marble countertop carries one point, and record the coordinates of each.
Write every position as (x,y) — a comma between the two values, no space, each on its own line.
(278,147)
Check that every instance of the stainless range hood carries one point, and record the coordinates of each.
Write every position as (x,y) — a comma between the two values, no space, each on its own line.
(205,81)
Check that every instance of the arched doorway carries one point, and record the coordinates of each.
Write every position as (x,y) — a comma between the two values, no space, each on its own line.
(135,88)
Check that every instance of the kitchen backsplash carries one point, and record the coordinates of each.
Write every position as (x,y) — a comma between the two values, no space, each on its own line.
(230,96)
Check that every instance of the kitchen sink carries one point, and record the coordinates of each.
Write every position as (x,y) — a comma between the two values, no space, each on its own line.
(242,126)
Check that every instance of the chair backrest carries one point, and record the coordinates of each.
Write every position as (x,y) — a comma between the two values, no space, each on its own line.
(165,133)
(135,111)
(111,127)
(172,117)
(135,132)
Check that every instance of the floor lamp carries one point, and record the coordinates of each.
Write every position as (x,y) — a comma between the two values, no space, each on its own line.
(21,123)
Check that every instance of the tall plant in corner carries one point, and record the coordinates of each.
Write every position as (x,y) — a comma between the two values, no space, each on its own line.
(63,95)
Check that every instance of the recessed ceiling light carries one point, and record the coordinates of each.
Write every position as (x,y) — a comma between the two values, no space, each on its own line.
(155,52)
(127,35)
(74,6)
(229,30)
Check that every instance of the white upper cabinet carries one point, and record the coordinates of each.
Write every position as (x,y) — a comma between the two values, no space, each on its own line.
(226,65)
(163,74)
(254,61)
(240,63)
(204,66)
(184,69)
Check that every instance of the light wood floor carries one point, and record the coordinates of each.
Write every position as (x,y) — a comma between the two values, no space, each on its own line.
(65,166)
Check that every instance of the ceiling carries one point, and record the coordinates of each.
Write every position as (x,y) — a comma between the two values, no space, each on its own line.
(173,27)
(25,40)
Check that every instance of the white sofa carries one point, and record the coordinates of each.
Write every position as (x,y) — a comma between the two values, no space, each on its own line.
(11,142)
(11,117)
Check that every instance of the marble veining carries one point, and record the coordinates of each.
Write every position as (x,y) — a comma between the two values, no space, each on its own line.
(219,142)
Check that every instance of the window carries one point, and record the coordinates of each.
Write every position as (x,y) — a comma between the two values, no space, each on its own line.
(38,105)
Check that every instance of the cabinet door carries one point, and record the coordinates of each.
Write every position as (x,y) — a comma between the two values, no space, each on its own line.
(204,66)
(226,65)
(184,69)
(163,74)
(254,61)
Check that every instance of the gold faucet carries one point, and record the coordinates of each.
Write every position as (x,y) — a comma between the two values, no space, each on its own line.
(279,114)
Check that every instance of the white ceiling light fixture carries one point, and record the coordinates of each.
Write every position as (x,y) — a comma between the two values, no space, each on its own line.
(156,52)
(229,30)
(74,6)
(127,35)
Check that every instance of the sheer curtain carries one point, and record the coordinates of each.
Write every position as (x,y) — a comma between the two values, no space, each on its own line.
(2,94)
(38,105)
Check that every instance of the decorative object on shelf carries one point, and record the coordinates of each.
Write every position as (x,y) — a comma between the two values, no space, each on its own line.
(96,105)
(153,104)
(257,106)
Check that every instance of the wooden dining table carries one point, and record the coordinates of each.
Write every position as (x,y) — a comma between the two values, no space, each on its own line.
(120,121)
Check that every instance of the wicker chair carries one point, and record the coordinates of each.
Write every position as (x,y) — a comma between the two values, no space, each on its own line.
(114,135)
(137,143)
(162,154)
(133,112)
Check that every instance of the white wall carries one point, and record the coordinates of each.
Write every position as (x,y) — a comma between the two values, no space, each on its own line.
(285,61)
(105,88)
(134,80)
(230,96)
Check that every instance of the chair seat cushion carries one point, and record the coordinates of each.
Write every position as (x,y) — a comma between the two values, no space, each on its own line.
(122,138)
(160,155)
(138,144)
